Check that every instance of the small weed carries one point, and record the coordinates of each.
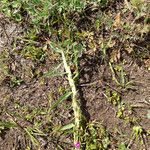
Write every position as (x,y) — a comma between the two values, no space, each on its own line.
(113,97)
(15,81)
(96,137)
(124,111)
(121,109)
(137,133)
(119,76)
(138,5)
(34,53)
(4,125)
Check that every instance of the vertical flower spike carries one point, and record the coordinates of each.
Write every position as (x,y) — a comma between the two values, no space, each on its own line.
(75,103)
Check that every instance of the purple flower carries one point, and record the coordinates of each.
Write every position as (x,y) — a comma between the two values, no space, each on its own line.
(77,145)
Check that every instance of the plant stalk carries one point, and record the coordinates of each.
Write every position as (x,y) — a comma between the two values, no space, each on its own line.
(75,100)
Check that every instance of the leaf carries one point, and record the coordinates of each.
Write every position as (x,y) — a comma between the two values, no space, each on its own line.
(16,4)
(60,100)
(55,47)
(67,127)
(55,72)
(137,130)
(92,146)
(122,147)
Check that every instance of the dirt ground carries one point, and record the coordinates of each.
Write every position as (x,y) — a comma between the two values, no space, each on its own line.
(100,109)
(25,90)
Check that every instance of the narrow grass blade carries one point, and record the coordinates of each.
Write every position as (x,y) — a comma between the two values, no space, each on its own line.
(55,47)
(60,100)
(54,74)
(7,125)
(32,138)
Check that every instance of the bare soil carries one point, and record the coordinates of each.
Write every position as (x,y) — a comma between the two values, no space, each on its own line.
(35,91)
